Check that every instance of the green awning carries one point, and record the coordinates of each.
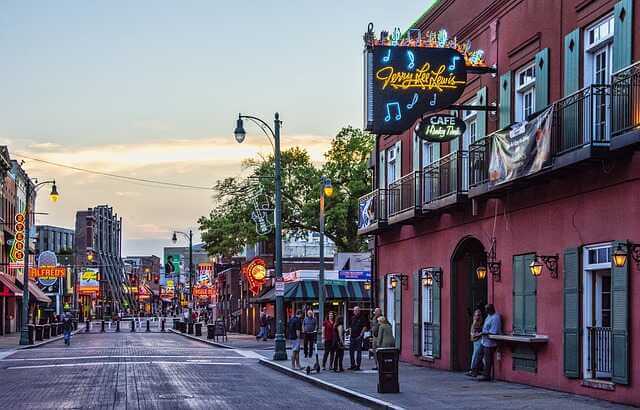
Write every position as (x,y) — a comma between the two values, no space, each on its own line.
(307,291)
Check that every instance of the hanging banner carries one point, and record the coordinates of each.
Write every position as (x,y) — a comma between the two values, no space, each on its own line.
(521,149)
(366,212)
(440,128)
(172,264)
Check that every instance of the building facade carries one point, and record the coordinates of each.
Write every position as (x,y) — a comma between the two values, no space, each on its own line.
(144,279)
(440,214)
(60,241)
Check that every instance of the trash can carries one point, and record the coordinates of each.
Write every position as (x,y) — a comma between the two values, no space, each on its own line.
(198,329)
(46,331)
(60,328)
(54,329)
(75,324)
(38,333)
(183,327)
(388,381)
(176,323)
(210,331)
(31,333)
(190,328)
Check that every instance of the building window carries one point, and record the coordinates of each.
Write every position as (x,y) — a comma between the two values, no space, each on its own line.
(427,321)
(598,60)
(525,92)
(393,164)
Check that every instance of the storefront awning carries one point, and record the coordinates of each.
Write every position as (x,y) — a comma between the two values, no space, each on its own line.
(10,289)
(307,290)
(36,292)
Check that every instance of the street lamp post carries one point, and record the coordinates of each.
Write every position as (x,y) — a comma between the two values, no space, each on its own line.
(326,190)
(24,329)
(240,134)
(189,236)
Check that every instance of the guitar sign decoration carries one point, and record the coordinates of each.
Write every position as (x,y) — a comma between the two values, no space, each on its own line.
(440,128)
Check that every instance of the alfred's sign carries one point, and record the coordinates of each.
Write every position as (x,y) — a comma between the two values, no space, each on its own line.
(440,128)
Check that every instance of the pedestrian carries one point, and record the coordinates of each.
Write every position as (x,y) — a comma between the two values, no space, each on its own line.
(385,334)
(309,328)
(328,326)
(476,335)
(492,326)
(338,345)
(67,326)
(294,331)
(357,326)
(263,325)
(374,334)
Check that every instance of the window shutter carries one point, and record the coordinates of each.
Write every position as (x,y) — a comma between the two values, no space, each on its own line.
(435,294)
(382,170)
(620,320)
(399,159)
(542,79)
(505,100)
(529,296)
(623,36)
(416,152)
(481,122)
(572,62)
(571,342)
(397,313)
(518,295)
(417,312)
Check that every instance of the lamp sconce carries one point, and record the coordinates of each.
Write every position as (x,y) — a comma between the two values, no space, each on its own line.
(430,275)
(398,277)
(367,285)
(493,266)
(621,255)
(550,261)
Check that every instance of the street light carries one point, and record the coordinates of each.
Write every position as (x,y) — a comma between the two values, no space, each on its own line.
(240,134)
(327,190)
(53,196)
(174,239)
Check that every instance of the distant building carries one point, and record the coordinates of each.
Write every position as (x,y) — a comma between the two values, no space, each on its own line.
(55,239)
(144,278)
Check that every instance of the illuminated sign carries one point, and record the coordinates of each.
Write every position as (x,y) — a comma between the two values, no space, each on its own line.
(48,272)
(89,282)
(203,291)
(256,274)
(440,128)
(16,254)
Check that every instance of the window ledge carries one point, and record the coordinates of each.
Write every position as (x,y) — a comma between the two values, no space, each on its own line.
(429,359)
(599,384)
(532,339)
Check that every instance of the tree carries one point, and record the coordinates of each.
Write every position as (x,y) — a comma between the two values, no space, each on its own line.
(229,225)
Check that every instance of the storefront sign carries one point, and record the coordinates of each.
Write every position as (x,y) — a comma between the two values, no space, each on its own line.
(354,275)
(16,255)
(256,274)
(521,149)
(89,282)
(279,287)
(48,272)
(203,291)
(440,128)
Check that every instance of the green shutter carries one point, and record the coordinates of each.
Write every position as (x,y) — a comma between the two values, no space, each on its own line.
(505,100)
(620,320)
(623,35)
(529,297)
(572,62)
(571,341)
(435,294)
(382,170)
(417,335)
(481,122)
(518,295)
(397,314)
(542,79)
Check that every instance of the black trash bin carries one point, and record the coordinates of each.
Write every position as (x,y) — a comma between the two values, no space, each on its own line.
(190,328)
(46,331)
(54,329)
(198,329)
(211,331)
(39,333)
(388,381)
(176,323)
(31,333)
(183,327)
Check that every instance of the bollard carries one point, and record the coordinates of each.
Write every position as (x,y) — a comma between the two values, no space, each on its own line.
(162,325)
(118,326)
(102,327)
(86,327)
(133,326)
(148,324)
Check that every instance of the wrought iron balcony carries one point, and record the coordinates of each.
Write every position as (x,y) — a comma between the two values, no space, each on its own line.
(446,181)
(599,358)
(372,212)
(404,197)
(625,107)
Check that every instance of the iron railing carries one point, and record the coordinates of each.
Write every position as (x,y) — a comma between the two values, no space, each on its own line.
(599,363)
(479,159)
(581,118)
(427,340)
(373,208)
(625,100)
(404,194)
(446,176)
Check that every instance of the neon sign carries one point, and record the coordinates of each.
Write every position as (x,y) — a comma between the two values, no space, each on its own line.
(17,249)
(440,128)
(256,274)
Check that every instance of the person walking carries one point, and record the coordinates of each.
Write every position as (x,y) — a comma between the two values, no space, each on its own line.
(492,326)
(67,326)
(338,345)
(263,325)
(294,331)
(475,334)
(374,334)
(385,334)
(309,328)
(328,326)
(357,327)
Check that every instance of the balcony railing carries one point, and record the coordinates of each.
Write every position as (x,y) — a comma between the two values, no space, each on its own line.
(581,118)
(599,363)
(625,100)
(479,158)
(404,194)
(447,176)
(372,210)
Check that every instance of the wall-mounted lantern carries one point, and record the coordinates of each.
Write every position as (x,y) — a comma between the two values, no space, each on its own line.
(550,261)
(620,255)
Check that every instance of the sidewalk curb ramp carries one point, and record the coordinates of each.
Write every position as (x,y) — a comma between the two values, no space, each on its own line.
(369,401)
(216,344)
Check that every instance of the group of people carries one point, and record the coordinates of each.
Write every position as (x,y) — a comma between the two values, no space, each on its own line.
(483,346)
(337,337)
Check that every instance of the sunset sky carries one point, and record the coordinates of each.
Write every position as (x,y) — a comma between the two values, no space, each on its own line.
(152,89)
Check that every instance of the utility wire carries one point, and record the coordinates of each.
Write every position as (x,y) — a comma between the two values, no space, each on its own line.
(123,177)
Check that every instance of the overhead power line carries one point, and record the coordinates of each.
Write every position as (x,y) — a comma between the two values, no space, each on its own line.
(111,175)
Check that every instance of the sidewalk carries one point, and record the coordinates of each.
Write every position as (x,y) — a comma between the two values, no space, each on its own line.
(12,341)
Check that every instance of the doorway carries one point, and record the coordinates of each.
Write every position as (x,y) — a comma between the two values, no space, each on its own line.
(467,293)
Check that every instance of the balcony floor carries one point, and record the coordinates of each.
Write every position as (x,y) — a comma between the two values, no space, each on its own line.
(629,138)
(450,200)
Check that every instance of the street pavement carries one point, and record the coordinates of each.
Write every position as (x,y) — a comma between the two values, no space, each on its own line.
(149,371)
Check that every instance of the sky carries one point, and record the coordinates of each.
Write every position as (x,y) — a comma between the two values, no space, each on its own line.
(152,89)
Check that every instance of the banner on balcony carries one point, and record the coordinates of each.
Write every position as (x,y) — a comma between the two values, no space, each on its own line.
(366,212)
(521,149)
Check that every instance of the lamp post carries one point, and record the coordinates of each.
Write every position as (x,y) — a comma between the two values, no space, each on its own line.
(189,236)
(24,330)
(240,134)
(326,190)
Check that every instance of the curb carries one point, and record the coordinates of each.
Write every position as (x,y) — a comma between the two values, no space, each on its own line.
(44,342)
(369,401)
(216,344)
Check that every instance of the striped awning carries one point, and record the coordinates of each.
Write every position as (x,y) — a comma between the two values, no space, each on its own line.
(307,290)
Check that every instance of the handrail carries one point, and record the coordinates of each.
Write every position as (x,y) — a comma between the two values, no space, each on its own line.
(637,63)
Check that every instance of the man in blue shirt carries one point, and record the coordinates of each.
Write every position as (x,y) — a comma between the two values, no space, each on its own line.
(492,326)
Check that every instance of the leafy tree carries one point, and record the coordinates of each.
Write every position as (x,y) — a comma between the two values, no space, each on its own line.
(229,225)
